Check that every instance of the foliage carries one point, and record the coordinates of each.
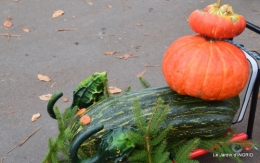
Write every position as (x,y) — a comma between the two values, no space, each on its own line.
(62,143)
(144,82)
(149,137)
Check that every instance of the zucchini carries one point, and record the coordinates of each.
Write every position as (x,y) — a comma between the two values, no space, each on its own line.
(189,116)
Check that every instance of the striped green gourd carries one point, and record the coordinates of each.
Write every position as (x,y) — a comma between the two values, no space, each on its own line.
(189,116)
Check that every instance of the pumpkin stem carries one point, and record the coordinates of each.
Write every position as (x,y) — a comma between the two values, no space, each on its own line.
(218,3)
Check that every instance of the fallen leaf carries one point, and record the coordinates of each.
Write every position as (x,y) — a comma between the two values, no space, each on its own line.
(8,24)
(146,34)
(90,3)
(10,112)
(138,24)
(110,53)
(73,16)
(114,90)
(126,5)
(45,97)
(43,78)
(9,18)
(126,56)
(109,6)
(26,30)
(65,99)
(141,74)
(35,117)
(57,13)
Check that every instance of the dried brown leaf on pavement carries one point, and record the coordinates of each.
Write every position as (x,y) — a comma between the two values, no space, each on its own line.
(65,99)
(141,74)
(26,30)
(43,78)
(9,17)
(126,56)
(35,117)
(109,6)
(57,13)
(125,4)
(8,24)
(138,24)
(114,90)
(45,97)
(110,52)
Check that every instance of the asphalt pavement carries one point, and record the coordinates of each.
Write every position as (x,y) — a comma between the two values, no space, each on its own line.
(121,37)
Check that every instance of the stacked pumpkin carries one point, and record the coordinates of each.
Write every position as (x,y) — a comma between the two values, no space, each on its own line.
(205,65)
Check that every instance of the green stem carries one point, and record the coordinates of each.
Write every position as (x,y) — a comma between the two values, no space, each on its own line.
(219,3)
(148,149)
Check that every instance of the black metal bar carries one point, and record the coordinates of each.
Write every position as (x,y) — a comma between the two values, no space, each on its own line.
(252,27)
(252,111)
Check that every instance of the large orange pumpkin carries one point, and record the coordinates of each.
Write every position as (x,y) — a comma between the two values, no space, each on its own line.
(208,69)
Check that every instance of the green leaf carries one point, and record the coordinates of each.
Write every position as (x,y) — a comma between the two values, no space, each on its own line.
(158,117)
(138,155)
(161,136)
(160,155)
(185,150)
(90,90)
(139,119)
(136,137)
(144,82)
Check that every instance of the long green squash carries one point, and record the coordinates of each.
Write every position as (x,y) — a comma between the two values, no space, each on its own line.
(189,116)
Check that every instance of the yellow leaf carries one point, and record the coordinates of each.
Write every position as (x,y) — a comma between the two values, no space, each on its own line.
(43,78)
(114,90)
(26,30)
(45,97)
(57,13)
(8,24)
(35,117)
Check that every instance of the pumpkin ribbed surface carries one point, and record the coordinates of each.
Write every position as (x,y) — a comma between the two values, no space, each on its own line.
(212,70)
(216,26)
